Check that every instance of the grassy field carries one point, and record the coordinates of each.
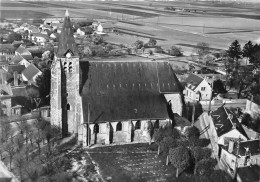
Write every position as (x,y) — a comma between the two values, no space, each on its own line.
(134,163)
(216,26)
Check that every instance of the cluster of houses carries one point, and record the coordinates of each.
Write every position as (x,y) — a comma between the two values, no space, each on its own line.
(15,73)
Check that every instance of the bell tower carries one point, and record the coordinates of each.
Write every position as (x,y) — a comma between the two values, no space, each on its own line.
(65,98)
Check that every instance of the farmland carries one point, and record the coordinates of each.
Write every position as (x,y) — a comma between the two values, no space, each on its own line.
(215,23)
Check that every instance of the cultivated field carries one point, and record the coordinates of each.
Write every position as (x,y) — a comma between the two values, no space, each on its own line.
(215,23)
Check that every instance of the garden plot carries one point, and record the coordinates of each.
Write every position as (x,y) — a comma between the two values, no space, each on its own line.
(133,162)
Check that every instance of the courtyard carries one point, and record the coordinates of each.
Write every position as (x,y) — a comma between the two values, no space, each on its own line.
(134,162)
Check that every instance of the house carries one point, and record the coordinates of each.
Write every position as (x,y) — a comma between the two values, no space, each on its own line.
(81,31)
(3,60)
(56,25)
(21,50)
(197,88)
(46,27)
(33,30)
(223,125)
(14,68)
(40,38)
(50,21)
(253,105)
(20,60)
(24,25)
(109,101)
(5,100)
(237,155)
(54,36)
(7,50)
(30,73)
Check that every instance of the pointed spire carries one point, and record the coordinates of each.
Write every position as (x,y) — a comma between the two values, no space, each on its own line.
(66,39)
(67,13)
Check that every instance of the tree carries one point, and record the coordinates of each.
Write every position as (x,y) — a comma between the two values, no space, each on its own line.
(166,144)
(37,136)
(34,94)
(152,42)
(158,137)
(10,149)
(192,132)
(175,51)
(218,87)
(6,131)
(43,82)
(19,162)
(220,175)
(139,44)
(234,51)
(202,49)
(199,153)
(19,142)
(209,59)
(88,30)
(205,167)
(14,37)
(248,49)
(180,158)
(98,40)
(255,57)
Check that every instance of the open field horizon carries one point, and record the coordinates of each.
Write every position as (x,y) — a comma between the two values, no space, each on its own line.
(216,24)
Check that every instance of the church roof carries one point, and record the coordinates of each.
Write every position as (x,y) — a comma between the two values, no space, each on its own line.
(66,39)
(119,91)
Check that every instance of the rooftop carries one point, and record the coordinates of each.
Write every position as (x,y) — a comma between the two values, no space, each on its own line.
(252,146)
(193,81)
(224,121)
(126,90)
(30,71)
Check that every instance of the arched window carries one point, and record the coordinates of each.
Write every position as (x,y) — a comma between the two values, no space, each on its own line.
(68,106)
(138,125)
(96,128)
(70,67)
(156,124)
(65,66)
(119,126)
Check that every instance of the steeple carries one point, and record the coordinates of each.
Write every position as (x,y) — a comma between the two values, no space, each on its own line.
(66,39)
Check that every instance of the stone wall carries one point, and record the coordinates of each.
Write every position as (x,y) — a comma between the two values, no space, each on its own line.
(177,102)
(110,132)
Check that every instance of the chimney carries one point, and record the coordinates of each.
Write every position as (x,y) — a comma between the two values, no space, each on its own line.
(15,78)
(230,146)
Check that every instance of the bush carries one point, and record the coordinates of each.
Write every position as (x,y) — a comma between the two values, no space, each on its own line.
(205,167)
(175,51)
(199,153)
(192,132)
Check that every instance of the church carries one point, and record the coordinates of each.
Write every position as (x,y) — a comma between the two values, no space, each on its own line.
(110,100)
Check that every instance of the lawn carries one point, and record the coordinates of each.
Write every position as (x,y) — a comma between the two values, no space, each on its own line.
(134,162)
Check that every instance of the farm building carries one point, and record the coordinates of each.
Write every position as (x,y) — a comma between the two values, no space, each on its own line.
(110,101)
